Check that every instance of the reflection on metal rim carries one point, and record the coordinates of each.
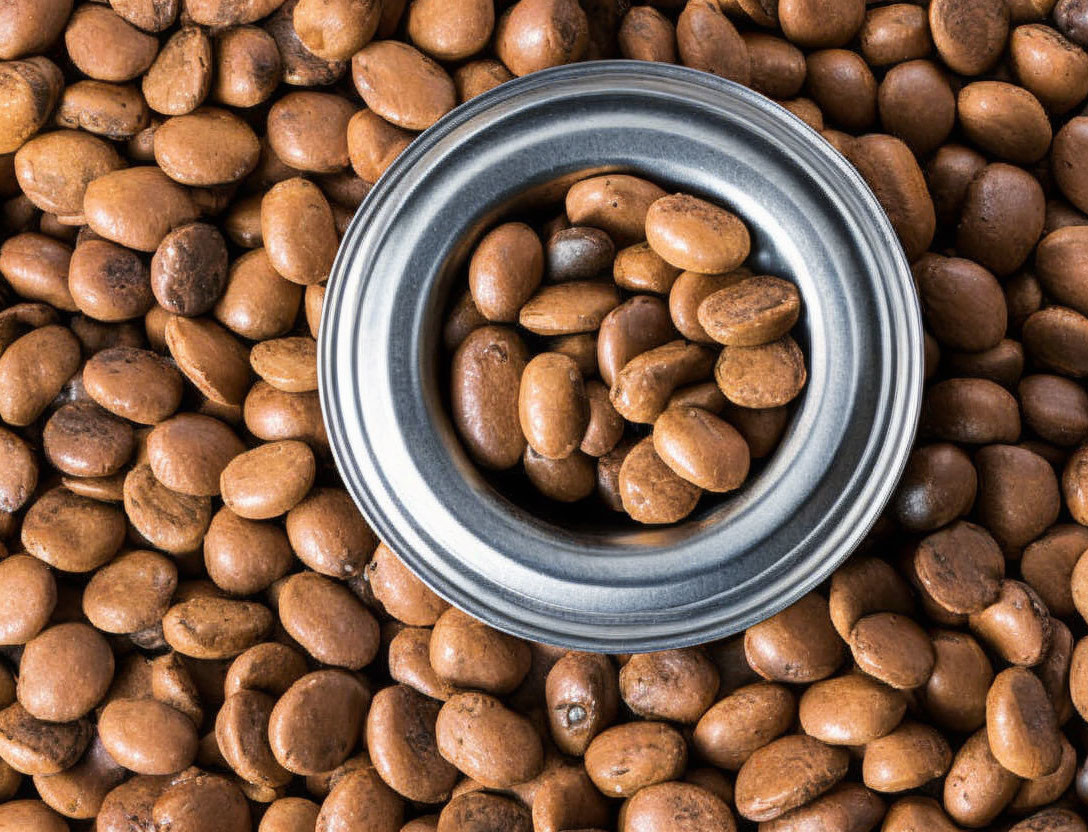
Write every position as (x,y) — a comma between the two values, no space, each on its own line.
(616,588)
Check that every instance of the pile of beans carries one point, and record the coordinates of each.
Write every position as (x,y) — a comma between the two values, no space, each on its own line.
(200,633)
(575,435)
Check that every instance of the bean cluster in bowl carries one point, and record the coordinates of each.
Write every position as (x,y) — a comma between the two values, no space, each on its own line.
(576,435)
(198,631)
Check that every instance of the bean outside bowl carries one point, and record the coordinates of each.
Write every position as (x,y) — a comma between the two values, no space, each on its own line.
(601,584)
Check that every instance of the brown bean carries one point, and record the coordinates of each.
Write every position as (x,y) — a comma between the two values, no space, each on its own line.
(1021,725)
(451,31)
(268,480)
(308,131)
(971,410)
(954,697)
(402,85)
(1015,520)
(400,731)
(676,805)
(754,311)
(108,282)
(51,659)
(969,34)
(170,521)
(850,710)
(1049,66)
(210,357)
(816,25)
(746,720)
(487,742)
(605,427)
(247,67)
(1004,120)
(315,724)
(33,86)
(130,593)
(567,480)
(769,375)
(477,77)
(616,203)
(360,799)
(785,774)
(893,34)
(961,567)
(505,271)
(893,173)
(78,792)
(129,50)
(907,758)
(54,169)
(401,593)
(843,86)
(1016,626)
(28,595)
(180,78)
(241,732)
(1069,171)
(36,266)
(938,486)
(701,448)
(335,31)
(537,34)
(693,234)
(552,406)
(650,491)
(646,679)
(467,653)
(582,695)
(977,787)
(329,535)
(893,648)
(215,628)
(1057,339)
(647,35)
(243,556)
(32,746)
(327,620)
(374,143)
(115,111)
(486,374)
(798,644)
(207,147)
(137,207)
(632,328)
(707,41)
(270,667)
(31,27)
(147,736)
(638,268)
(298,231)
(410,664)
(477,811)
(189,269)
(290,814)
(642,387)
(33,369)
(200,801)
(628,757)
(188,453)
(72,533)
(568,308)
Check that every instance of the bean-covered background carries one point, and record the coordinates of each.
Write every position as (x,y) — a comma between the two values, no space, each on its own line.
(201,634)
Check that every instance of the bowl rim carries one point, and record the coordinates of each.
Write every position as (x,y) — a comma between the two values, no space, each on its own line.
(512,611)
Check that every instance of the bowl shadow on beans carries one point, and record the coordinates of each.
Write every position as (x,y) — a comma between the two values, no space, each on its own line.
(591,516)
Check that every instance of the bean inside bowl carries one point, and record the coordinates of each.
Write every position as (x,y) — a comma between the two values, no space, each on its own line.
(581,581)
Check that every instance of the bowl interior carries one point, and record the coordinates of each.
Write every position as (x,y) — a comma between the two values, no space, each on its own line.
(774,251)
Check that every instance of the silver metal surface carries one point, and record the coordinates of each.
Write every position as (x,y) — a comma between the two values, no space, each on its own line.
(616,588)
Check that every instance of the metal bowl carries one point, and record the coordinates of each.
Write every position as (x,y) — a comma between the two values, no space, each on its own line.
(607,586)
